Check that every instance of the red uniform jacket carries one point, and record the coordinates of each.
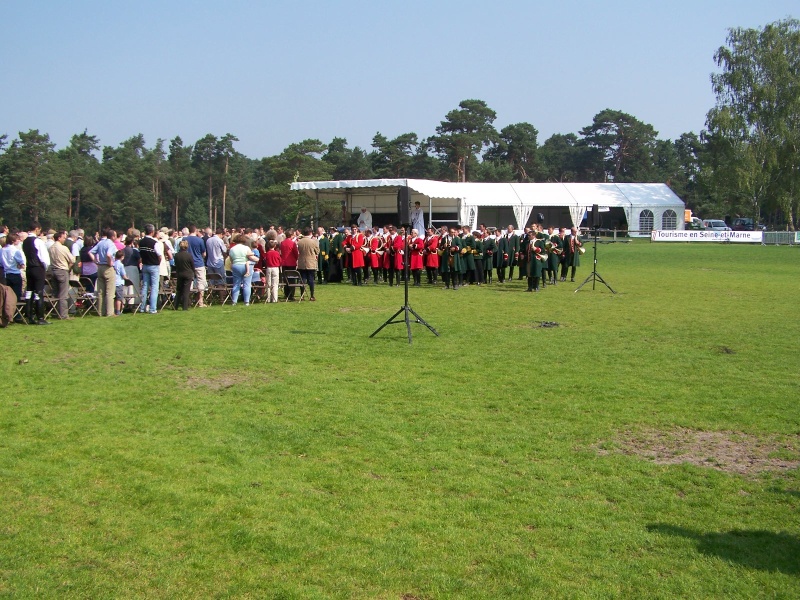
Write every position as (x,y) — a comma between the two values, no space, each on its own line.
(416,247)
(432,256)
(289,254)
(356,256)
(399,246)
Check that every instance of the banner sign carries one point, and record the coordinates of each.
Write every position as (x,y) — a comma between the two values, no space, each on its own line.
(690,235)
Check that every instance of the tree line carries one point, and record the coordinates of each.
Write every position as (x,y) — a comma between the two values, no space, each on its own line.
(745,163)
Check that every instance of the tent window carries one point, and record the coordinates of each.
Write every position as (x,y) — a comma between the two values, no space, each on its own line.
(669,220)
(646,221)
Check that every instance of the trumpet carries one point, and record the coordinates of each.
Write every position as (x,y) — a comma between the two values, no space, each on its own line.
(581,249)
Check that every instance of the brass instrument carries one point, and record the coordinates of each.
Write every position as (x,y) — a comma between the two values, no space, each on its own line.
(581,249)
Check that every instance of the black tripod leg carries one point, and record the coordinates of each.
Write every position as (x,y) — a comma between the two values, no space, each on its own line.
(603,281)
(390,321)
(421,320)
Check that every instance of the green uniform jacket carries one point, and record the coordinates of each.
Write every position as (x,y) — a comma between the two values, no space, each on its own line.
(324,251)
(554,260)
(536,266)
(573,260)
(502,248)
(458,260)
(489,249)
(468,259)
(513,248)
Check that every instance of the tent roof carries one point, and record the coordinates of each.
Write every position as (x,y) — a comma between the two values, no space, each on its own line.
(511,194)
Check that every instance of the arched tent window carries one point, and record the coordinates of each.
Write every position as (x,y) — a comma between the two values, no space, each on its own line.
(669,220)
(646,221)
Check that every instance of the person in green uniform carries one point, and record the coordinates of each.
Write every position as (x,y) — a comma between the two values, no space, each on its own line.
(523,258)
(572,253)
(477,253)
(542,239)
(335,256)
(322,258)
(513,250)
(468,258)
(554,255)
(535,250)
(501,256)
(489,249)
(457,267)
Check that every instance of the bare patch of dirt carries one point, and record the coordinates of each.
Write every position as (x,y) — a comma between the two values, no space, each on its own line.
(221,381)
(727,451)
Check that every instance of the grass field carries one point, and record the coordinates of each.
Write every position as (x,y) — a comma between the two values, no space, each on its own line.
(648,446)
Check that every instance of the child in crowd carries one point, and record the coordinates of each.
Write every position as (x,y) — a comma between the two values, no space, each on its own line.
(119,292)
(273,271)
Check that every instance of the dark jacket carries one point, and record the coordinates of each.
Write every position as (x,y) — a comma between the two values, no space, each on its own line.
(184,265)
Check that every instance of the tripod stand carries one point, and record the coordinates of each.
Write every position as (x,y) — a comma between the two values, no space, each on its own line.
(405,309)
(594,275)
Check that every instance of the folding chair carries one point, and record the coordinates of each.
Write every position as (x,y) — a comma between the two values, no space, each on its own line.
(49,299)
(166,293)
(258,288)
(131,300)
(85,301)
(292,280)
(218,288)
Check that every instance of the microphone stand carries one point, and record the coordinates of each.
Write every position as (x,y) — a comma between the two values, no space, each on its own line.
(405,309)
(594,275)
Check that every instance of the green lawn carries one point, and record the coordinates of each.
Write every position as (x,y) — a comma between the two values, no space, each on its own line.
(277,451)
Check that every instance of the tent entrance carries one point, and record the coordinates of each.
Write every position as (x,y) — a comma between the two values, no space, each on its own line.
(555,216)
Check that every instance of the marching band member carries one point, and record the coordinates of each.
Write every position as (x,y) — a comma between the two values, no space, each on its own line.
(489,249)
(572,254)
(513,250)
(375,257)
(554,255)
(563,262)
(431,255)
(523,259)
(467,254)
(335,256)
(478,257)
(416,247)
(399,246)
(456,262)
(352,248)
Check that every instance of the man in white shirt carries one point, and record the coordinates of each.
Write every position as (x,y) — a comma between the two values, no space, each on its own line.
(417,218)
(364,219)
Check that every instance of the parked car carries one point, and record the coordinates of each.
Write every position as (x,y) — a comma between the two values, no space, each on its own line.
(745,224)
(695,223)
(715,225)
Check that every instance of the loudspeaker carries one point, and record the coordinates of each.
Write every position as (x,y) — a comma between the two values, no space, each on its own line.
(595,216)
(540,218)
(404,205)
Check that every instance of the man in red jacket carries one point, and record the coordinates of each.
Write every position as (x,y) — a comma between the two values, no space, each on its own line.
(289,254)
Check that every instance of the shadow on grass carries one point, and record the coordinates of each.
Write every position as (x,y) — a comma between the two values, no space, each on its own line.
(764,550)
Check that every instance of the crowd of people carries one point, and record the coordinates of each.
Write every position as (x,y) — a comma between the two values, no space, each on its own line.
(130,269)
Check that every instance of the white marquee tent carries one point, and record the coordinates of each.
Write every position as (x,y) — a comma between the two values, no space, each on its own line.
(642,206)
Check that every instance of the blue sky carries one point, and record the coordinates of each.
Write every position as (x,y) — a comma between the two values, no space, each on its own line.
(274,73)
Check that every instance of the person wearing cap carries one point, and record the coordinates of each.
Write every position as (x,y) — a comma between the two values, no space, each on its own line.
(364,219)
